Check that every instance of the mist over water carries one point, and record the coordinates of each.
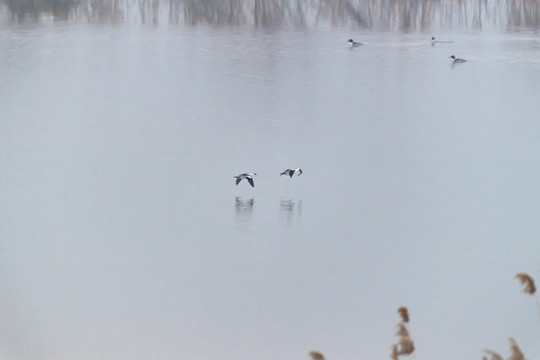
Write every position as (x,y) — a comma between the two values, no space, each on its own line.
(123,124)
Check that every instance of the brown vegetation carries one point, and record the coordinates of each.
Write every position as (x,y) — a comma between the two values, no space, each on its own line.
(315,355)
(404,313)
(492,355)
(527,282)
(515,351)
(395,354)
(405,345)
(402,330)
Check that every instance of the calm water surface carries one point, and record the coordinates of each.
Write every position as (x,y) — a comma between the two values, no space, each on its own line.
(123,236)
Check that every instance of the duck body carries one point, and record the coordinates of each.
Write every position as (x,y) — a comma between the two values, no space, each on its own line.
(353,43)
(454,60)
(247,176)
(433,41)
(291,172)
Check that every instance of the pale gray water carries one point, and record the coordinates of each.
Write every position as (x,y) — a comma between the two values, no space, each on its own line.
(123,236)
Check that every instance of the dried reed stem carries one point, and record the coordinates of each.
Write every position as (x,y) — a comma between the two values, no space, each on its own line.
(404,313)
(402,330)
(406,346)
(315,355)
(492,355)
(516,351)
(527,282)
(529,287)
(395,354)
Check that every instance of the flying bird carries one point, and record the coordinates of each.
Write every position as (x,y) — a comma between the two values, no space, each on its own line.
(247,176)
(291,172)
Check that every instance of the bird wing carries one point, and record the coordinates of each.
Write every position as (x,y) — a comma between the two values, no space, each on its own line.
(300,172)
(250,180)
(238,181)
(291,173)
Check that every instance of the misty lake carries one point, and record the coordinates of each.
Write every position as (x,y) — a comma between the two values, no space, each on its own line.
(124,236)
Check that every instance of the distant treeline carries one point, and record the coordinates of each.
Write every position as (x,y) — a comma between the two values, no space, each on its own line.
(397,14)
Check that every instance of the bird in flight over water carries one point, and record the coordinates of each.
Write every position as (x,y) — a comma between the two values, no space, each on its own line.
(291,172)
(247,176)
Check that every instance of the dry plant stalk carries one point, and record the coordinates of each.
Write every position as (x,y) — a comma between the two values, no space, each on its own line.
(404,313)
(402,330)
(395,354)
(492,355)
(516,351)
(315,355)
(406,346)
(527,282)
(528,287)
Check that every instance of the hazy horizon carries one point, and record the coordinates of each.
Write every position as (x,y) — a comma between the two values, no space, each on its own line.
(123,234)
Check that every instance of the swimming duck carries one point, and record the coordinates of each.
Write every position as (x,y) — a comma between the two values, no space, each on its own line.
(353,43)
(247,176)
(291,172)
(433,41)
(454,60)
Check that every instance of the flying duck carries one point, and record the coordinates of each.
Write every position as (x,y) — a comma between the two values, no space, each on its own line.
(247,176)
(291,172)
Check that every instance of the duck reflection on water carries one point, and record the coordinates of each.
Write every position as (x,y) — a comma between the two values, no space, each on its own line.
(243,208)
(290,210)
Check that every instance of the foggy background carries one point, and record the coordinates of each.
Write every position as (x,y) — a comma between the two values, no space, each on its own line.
(123,235)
